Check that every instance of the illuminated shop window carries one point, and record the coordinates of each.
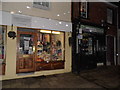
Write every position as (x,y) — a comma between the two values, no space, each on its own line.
(2,43)
(50,45)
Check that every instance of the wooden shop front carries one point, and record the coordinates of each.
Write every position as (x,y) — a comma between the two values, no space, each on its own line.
(39,50)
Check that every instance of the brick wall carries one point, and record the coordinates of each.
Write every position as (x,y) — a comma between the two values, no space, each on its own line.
(97,11)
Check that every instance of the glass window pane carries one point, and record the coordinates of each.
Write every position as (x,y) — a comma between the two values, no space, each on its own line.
(57,45)
(43,47)
(26,44)
(2,43)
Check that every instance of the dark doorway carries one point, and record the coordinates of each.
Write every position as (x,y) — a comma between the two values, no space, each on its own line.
(88,47)
(110,50)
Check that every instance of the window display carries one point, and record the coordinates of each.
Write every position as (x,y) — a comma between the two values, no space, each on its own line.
(50,46)
(2,49)
(57,46)
(87,44)
(2,43)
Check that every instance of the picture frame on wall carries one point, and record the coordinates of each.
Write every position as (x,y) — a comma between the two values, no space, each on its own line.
(109,16)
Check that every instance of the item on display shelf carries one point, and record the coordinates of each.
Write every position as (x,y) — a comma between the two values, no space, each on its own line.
(58,43)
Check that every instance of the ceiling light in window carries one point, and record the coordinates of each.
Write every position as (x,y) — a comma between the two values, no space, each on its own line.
(20,11)
(28,7)
(60,22)
(66,25)
(58,15)
(12,12)
(45,31)
(55,32)
(64,13)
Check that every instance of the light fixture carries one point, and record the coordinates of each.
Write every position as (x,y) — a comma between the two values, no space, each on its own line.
(58,15)
(20,11)
(12,12)
(45,31)
(12,33)
(60,22)
(55,32)
(64,13)
(28,7)
(66,25)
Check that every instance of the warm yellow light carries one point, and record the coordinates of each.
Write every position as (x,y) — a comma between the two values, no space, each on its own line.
(45,31)
(55,32)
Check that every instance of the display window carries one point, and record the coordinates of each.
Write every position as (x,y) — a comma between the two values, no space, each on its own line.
(50,46)
(40,50)
(2,48)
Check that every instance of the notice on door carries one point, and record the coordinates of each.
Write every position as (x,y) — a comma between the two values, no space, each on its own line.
(26,43)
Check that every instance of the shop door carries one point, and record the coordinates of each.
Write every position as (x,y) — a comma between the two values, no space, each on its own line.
(110,50)
(87,52)
(99,48)
(26,51)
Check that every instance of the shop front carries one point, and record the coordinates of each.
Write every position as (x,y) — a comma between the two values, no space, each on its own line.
(90,47)
(40,50)
(36,50)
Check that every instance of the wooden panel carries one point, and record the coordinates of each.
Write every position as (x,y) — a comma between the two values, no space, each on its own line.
(49,66)
(43,66)
(2,69)
(21,63)
(58,65)
(28,62)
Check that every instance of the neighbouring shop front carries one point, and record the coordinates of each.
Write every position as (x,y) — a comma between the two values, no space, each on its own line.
(90,47)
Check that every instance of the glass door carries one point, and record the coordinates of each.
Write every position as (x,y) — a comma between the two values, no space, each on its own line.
(26,51)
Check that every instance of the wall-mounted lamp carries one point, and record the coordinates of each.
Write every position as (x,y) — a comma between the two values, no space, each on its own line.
(12,34)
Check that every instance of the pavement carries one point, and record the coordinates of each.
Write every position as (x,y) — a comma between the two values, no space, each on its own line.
(101,77)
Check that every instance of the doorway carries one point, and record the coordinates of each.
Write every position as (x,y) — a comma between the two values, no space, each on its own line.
(110,50)
(26,45)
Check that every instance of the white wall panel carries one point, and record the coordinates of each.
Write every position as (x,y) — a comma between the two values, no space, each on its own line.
(5,18)
(34,22)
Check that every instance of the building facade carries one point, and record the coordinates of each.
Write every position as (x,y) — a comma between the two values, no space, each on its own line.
(95,34)
(34,42)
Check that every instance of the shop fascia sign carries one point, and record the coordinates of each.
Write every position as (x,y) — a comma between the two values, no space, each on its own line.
(92,29)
